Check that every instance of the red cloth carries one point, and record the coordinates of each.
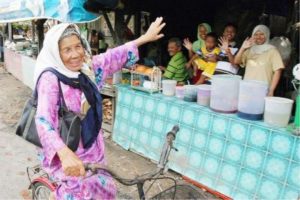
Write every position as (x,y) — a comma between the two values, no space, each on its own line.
(196,78)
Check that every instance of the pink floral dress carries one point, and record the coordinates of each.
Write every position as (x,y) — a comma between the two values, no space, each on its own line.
(101,185)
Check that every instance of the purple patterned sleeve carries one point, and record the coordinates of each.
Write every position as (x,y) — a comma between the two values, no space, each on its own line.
(47,116)
(112,60)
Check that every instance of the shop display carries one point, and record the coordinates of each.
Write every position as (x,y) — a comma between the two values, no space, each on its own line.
(190,93)
(278,111)
(116,78)
(179,92)
(168,87)
(224,93)
(146,79)
(203,95)
(25,47)
(251,99)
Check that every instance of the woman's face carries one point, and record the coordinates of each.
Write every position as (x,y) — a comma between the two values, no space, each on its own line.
(202,32)
(229,33)
(259,37)
(72,52)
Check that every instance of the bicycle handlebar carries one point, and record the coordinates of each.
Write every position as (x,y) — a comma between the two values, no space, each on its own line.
(168,146)
(129,182)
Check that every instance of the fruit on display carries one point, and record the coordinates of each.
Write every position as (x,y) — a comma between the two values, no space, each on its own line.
(136,82)
(141,68)
(148,71)
(125,81)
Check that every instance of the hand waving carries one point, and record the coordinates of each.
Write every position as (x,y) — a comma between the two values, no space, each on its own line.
(224,43)
(187,44)
(153,32)
(248,42)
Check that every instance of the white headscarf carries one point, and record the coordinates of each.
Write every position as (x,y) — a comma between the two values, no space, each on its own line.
(49,55)
(258,49)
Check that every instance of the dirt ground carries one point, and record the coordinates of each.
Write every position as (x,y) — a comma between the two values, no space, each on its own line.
(16,154)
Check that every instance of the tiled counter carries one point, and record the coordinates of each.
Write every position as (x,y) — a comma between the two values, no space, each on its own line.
(239,158)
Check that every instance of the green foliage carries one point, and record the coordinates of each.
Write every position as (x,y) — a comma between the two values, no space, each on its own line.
(21,26)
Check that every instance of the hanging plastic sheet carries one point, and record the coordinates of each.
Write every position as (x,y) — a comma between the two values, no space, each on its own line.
(62,10)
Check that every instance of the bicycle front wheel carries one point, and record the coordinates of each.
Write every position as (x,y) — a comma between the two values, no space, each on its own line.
(184,192)
(40,191)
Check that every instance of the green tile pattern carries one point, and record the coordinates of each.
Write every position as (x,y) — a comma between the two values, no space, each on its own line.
(242,159)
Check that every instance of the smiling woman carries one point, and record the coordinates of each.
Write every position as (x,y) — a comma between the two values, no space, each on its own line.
(67,52)
(71,52)
(261,60)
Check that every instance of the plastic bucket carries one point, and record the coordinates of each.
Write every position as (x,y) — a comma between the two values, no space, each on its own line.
(224,93)
(203,95)
(190,93)
(179,91)
(278,111)
(168,87)
(251,103)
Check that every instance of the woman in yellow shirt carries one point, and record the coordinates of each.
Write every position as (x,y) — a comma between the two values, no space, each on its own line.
(261,60)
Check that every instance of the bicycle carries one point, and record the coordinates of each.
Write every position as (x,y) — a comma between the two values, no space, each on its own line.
(42,185)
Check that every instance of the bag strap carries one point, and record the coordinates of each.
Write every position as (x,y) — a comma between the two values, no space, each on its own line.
(35,93)
(62,104)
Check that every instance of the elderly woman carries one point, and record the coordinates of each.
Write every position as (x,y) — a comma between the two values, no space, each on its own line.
(67,52)
(261,60)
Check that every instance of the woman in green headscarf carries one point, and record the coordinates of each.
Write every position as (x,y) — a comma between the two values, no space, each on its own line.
(202,30)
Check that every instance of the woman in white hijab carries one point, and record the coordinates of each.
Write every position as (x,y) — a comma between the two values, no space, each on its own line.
(261,60)
(68,53)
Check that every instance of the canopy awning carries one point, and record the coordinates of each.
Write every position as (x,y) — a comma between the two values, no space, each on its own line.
(62,10)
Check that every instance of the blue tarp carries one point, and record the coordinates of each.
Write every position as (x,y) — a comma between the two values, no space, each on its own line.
(62,10)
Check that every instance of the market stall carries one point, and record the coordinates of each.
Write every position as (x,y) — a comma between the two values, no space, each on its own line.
(240,158)
(22,46)
(20,65)
(25,38)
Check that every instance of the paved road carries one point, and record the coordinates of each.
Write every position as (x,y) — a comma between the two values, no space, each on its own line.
(16,155)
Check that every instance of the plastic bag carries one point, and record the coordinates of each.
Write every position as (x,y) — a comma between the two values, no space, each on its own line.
(284,47)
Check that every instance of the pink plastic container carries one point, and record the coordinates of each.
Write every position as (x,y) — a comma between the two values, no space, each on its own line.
(179,92)
(203,95)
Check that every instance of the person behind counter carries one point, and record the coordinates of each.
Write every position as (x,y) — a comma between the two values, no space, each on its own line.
(202,30)
(261,60)
(176,69)
(229,47)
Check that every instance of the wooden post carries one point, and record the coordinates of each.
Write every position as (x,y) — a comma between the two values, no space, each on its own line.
(112,31)
(127,20)
(137,24)
(10,32)
(40,30)
(33,31)
(119,26)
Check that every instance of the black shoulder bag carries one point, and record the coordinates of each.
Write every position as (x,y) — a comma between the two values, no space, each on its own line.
(69,122)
